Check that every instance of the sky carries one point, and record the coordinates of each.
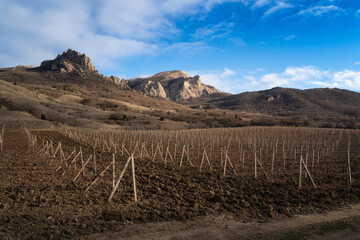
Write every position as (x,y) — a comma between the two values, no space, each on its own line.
(234,45)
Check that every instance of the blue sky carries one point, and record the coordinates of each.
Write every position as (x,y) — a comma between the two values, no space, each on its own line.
(234,45)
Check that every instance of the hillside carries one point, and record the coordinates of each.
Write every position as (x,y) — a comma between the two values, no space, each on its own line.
(173,85)
(335,107)
(69,91)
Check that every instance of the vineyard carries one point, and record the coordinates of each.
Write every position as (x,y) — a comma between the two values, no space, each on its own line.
(103,179)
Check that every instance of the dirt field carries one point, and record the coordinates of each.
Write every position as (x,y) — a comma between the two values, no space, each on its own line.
(36,202)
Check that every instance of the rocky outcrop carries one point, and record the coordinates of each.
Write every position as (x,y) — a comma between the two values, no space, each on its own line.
(22,67)
(173,85)
(68,61)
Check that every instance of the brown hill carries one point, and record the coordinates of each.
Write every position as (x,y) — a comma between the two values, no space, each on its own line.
(74,93)
(80,96)
(328,106)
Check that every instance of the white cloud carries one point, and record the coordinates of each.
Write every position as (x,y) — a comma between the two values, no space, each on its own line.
(293,76)
(357,63)
(105,30)
(261,3)
(33,35)
(223,80)
(227,73)
(213,31)
(289,38)
(319,11)
(357,14)
(305,77)
(348,78)
(280,5)
(187,47)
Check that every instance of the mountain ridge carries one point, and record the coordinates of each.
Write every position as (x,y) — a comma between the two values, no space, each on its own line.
(160,96)
(67,62)
(174,85)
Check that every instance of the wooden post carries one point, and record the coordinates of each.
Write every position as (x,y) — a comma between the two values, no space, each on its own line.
(82,161)
(166,153)
(72,162)
(83,168)
(97,178)
(113,172)
(182,156)
(348,161)
(307,170)
(188,157)
(202,160)
(306,163)
(2,138)
(300,169)
(225,160)
(259,162)
(94,158)
(133,177)
(119,179)
(255,165)
(272,161)
(156,150)
(208,160)
(175,150)
(228,159)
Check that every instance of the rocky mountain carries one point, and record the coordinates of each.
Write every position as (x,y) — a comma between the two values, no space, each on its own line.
(68,61)
(173,85)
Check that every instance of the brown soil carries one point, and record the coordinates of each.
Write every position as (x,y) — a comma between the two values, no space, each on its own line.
(36,202)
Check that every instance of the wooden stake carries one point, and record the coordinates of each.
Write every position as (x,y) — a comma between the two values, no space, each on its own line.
(272,161)
(255,165)
(259,162)
(348,161)
(306,168)
(97,178)
(119,179)
(202,160)
(82,169)
(113,172)
(73,161)
(300,169)
(228,159)
(156,150)
(133,177)
(182,156)
(94,158)
(208,160)
(225,161)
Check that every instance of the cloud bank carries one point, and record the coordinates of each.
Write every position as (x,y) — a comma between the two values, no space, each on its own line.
(292,77)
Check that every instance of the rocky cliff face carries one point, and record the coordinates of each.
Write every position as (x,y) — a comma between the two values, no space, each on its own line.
(68,61)
(173,85)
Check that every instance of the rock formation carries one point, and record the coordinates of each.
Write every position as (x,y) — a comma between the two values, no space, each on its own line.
(173,85)
(69,61)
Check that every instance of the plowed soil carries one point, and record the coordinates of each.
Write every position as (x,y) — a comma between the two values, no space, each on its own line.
(37,202)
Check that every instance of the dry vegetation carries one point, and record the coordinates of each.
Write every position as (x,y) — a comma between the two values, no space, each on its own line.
(94,102)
